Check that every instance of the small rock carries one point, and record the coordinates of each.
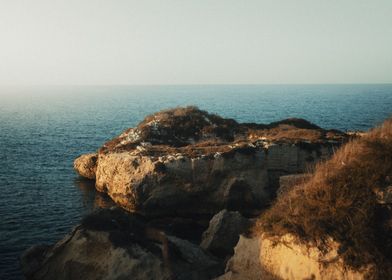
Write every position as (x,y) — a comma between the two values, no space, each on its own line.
(86,165)
(223,233)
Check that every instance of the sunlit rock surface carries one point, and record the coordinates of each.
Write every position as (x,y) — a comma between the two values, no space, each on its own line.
(284,258)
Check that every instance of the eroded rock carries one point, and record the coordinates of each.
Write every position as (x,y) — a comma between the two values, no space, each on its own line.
(223,233)
(86,165)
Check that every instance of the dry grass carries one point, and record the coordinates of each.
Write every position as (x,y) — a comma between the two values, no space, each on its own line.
(287,132)
(294,129)
(339,201)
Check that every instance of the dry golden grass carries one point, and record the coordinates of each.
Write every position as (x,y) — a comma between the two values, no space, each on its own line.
(339,201)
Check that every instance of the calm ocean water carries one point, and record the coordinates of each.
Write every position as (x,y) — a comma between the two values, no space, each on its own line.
(42,130)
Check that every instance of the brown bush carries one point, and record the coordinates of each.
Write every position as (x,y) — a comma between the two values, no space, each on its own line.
(339,201)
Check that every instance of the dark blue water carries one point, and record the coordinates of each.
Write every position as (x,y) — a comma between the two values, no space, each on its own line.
(42,130)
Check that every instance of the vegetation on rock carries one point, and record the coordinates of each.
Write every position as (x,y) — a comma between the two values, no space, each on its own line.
(193,131)
(340,201)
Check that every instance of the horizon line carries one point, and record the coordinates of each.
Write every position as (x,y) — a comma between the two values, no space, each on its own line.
(188,84)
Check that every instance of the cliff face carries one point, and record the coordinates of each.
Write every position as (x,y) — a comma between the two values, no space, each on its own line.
(186,161)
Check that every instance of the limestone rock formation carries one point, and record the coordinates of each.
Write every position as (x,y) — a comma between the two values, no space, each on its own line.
(223,232)
(186,161)
(111,244)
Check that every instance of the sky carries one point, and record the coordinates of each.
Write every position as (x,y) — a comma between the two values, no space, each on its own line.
(111,42)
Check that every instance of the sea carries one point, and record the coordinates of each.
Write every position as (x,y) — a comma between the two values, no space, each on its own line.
(43,129)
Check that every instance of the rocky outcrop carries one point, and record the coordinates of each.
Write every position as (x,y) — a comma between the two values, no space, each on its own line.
(185,161)
(266,258)
(223,233)
(86,165)
(111,244)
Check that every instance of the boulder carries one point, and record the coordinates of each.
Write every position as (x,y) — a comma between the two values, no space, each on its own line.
(176,160)
(223,233)
(86,165)
(112,244)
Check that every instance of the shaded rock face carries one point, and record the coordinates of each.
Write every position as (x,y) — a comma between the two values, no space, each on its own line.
(223,233)
(110,244)
(186,161)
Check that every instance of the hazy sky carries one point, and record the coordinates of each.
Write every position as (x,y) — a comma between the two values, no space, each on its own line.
(195,41)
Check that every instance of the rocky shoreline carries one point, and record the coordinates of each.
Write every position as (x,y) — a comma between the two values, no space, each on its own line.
(189,184)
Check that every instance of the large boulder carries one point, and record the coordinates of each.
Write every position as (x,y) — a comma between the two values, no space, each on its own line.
(223,233)
(111,244)
(86,165)
(176,160)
